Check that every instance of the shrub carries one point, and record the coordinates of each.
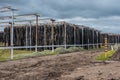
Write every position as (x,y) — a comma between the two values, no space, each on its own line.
(74,49)
(60,50)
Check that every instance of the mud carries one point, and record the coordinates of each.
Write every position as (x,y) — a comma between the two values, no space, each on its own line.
(71,66)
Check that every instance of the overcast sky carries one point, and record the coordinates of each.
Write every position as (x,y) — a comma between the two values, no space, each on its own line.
(101,14)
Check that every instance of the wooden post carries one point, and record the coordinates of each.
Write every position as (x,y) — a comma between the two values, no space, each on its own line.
(26,37)
(93,39)
(36,33)
(74,35)
(88,39)
(45,37)
(30,35)
(82,36)
(52,36)
(65,35)
(97,40)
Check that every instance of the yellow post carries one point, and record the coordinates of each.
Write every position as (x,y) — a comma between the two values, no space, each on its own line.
(105,45)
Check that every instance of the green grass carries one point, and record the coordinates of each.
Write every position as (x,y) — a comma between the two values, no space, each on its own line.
(109,55)
(19,54)
(5,54)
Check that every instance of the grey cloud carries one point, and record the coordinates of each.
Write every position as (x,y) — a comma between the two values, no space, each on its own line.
(70,9)
(67,8)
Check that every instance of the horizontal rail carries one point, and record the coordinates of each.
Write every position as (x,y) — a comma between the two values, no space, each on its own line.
(47,46)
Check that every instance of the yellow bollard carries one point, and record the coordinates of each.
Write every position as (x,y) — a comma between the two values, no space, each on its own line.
(105,45)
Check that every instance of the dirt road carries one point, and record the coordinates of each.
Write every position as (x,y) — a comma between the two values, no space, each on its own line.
(71,66)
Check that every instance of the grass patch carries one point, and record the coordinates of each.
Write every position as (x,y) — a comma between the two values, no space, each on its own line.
(75,49)
(5,54)
(19,54)
(109,54)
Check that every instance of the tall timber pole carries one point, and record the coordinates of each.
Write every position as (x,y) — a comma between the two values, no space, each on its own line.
(97,40)
(65,26)
(36,33)
(74,35)
(26,37)
(93,38)
(82,36)
(52,36)
(45,37)
(88,41)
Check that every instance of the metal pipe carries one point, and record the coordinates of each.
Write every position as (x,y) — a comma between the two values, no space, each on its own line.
(30,35)
(23,47)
